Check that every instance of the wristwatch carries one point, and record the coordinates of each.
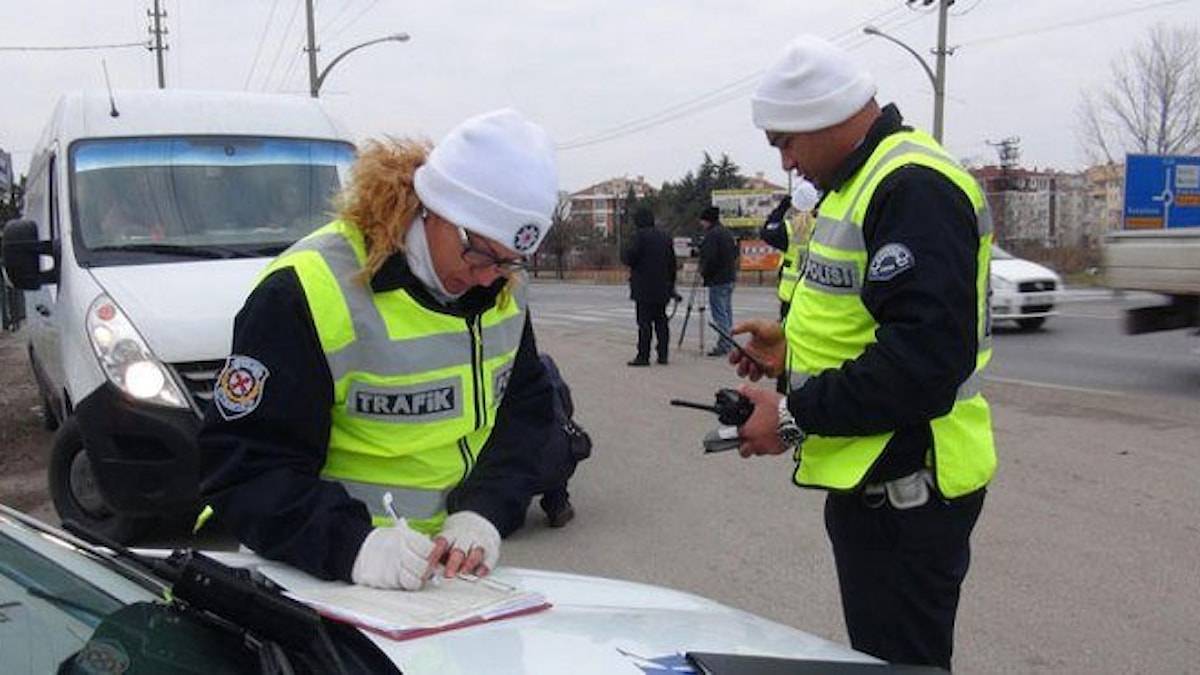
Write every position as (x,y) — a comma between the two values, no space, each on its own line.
(789,432)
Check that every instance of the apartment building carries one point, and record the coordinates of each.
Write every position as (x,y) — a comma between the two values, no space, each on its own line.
(601,205)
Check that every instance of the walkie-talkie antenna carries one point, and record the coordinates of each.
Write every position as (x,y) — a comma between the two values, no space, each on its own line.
(112,110)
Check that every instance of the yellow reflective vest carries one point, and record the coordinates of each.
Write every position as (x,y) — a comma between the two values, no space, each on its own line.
(828,324)
(789,272)
(416,391)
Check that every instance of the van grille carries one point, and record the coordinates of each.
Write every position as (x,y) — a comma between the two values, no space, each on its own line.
(198,378)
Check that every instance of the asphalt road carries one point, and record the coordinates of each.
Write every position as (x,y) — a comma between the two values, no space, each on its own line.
(1085,559)
(1084,346)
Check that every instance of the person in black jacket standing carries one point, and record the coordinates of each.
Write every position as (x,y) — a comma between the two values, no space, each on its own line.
(885,345)
(718,268)
(651,260)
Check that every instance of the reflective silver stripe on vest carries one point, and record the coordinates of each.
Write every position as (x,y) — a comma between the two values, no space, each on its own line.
(503,337)
(797,380)
(984,218)
(840,234)
(836,277)
(971,386)
(902,148)
(401,357)
(985,343)
(343,264)
(413,503)
(372,349)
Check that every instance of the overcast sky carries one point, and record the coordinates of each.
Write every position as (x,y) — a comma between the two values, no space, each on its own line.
(592,70)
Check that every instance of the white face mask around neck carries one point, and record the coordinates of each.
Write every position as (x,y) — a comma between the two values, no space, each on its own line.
(420,261)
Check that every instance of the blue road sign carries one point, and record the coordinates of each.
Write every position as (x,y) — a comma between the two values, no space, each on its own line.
(1162,191)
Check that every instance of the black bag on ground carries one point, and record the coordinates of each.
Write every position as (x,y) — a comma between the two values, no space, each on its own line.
(566,449)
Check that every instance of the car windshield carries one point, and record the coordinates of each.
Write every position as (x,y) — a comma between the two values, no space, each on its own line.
(201,196)
(1000,254)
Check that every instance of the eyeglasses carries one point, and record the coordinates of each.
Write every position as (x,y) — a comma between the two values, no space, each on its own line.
(478,258)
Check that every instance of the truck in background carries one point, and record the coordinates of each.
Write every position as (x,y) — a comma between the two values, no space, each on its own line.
(148,216)
(1159,248)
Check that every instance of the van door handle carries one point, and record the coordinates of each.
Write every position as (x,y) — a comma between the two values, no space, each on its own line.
(42,309)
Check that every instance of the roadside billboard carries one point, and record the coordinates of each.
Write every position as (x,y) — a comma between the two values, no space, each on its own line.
(745,208)
(758,256)
(1162,191)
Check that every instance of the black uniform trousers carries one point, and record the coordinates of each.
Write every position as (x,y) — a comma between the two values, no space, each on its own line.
(900,572)
(652,315)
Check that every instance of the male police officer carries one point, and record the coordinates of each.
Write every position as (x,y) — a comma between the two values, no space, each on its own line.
(884,345)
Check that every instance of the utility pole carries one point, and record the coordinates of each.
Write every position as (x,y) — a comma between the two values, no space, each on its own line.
(313,87)
(1009,151)
(938,79)
(939,87)
(158,31)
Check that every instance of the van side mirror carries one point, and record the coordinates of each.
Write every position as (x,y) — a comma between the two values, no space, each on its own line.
(21,252)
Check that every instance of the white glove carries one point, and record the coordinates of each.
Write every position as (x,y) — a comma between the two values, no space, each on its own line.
(466,529)
(393,557)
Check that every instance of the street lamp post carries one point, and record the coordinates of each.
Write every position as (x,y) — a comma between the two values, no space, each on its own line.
(317,79)
(938,80)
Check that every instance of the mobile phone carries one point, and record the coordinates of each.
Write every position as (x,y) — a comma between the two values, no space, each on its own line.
(727,336)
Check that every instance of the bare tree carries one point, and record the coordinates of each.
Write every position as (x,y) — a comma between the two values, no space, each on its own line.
(563,235)
(1152,103)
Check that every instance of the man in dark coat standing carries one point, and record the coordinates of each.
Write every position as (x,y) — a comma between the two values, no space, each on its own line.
(718,267)
(651,260)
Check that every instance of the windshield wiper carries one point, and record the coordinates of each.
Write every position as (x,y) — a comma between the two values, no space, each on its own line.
(253,604)
(187,250)
(65,602)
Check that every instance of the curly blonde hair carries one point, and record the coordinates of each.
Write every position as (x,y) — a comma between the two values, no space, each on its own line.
(380,199)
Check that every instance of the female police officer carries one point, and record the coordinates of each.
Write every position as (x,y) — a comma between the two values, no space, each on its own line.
(377,356)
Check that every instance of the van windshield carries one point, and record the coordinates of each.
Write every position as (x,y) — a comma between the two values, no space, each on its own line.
(201,197)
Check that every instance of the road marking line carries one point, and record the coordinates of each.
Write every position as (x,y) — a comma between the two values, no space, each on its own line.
(1048,385)
(1076,315)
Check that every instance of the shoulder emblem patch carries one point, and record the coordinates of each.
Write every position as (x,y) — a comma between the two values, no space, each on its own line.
(890,261)
(527,235)
(239,387)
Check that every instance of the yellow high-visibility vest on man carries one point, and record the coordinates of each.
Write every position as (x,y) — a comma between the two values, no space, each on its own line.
(789,269)
(883,346)
(377,356)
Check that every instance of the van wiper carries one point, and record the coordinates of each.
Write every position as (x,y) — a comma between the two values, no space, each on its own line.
(248,602)
(186,250)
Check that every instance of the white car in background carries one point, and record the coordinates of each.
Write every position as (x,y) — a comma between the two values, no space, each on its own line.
(1022,291)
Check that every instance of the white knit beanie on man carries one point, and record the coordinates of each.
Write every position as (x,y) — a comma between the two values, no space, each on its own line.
(814,85)
(494,175)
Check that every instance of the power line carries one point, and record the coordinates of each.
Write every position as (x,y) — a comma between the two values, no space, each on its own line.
(123,45)
(967,10)
(287,75)
(346,26)
(262,39)
(1069,24)
(721,95)
(282,43)
(334,19)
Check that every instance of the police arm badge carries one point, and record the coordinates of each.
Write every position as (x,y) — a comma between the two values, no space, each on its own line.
(239,387)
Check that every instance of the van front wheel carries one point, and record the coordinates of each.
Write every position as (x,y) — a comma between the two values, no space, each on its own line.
(76,493)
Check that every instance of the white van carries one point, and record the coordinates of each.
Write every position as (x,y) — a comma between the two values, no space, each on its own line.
(148,215)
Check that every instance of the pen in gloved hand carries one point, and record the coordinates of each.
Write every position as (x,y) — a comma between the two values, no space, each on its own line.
(389,507)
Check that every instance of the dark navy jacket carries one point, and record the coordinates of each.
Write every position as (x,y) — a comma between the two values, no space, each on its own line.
(261,473)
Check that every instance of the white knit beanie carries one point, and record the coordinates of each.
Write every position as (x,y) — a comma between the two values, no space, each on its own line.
(813,86)
(494,175)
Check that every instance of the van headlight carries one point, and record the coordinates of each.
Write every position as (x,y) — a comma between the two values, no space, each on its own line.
(125,357)
(1002,284)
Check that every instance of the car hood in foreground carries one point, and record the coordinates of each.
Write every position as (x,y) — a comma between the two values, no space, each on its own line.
(598,625)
